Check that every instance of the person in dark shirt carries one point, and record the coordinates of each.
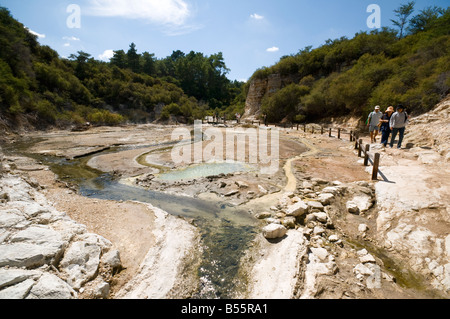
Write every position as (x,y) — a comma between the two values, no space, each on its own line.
(385,127)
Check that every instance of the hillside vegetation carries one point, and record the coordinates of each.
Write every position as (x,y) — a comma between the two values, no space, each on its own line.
(39,88)
(344,76)
(350,76)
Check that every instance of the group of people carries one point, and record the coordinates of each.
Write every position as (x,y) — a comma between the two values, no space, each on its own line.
(388,122)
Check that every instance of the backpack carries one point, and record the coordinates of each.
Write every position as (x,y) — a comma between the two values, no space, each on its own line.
(369,119)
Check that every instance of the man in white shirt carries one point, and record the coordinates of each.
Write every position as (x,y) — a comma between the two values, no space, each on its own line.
(372,122)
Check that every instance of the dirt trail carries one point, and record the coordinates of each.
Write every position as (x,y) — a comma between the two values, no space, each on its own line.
(291,185)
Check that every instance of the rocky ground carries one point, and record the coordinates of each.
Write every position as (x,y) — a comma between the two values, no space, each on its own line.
(44,254)
(327,231)
(39,238)
(340,236)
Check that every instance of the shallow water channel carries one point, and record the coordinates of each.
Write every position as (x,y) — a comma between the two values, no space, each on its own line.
(226,230)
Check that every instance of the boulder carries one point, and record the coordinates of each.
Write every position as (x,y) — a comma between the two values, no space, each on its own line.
(314,206)
(41,235)
(11,217)
(367,259)
(28,255)
(288,222)
(352,208)
(325,198)
(50,286)
(262,190)
(231,193)
(241,184)
(272,220)
(362,228)
(331,190)
(321,217)
(333,238)
(112,259)
(307,184)
(18,291)
(298,209)
(80,263)
(263,215)
(318,181)
(9,277)
(101,291)
(321,253)
(364,202)
(318,230)
(274,231)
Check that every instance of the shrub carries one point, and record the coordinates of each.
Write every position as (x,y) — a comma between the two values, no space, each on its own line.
(46,111)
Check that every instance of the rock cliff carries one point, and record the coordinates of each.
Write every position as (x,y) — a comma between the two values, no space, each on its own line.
(260,88)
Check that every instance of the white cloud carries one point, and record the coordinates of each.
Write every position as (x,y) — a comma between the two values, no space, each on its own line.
(67,44)
(107,55)
(171,12)
(273,49)
(256,16)
(40,36)
(71,38)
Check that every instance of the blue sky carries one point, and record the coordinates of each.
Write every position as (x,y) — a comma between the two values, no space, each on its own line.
(250,33)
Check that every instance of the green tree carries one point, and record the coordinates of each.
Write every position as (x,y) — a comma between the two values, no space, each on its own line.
(119,59)
(402,14)
(81,64)
(285,102)
(148,63)
(133,59)
(423,21)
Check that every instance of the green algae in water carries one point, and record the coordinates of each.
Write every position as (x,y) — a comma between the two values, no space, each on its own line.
(204,170)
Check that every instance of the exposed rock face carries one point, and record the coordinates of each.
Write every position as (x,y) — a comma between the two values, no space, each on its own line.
(46,255)
(258,89)
(256,92)
(430,130)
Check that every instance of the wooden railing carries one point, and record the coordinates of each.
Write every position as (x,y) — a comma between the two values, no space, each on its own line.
(363,150)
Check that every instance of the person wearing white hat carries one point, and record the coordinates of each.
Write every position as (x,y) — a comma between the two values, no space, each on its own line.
(372,122)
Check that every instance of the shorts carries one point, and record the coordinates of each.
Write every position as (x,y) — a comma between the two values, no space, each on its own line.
(373,128)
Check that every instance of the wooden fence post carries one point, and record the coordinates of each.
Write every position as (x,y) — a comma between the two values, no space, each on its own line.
(356,142)
(329,133)
(321,130)
(366,155)
(360,147)
(304,128)
(312,130)
(339,133)
(376,163)
(351,136)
